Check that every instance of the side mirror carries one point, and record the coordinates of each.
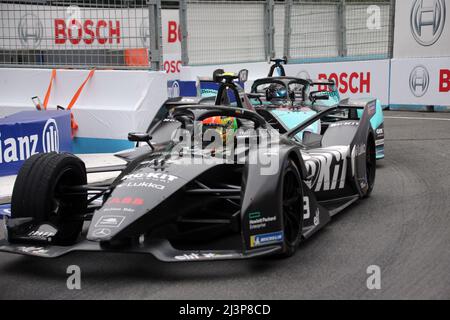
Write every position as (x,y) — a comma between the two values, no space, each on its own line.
(243,75)
(311,139)
(140,137)
(318,95)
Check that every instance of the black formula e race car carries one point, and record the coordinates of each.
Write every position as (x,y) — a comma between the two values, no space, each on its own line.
(201,192)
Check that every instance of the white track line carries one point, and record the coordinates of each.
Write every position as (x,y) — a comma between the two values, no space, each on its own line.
(418,118)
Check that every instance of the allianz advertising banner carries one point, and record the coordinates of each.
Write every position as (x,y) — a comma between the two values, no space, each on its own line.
(29,132)
(422,28)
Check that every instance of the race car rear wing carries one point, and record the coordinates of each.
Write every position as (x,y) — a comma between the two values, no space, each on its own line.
(322,82)
(359,104)
(351,105)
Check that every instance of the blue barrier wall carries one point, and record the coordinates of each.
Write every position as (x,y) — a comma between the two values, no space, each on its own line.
(5,210)
(29,132)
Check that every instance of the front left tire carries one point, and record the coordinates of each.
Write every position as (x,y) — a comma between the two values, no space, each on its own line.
(39,193)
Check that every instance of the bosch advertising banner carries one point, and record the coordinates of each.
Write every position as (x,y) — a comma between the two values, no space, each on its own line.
(171,41)
(422,28)
(353,79)
(40,27)
(420,81)
(72,27)
(29,132)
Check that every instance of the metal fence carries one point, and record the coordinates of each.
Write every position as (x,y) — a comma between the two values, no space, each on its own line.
(127,33)
(224,31)
(365,35)
(230,31)
(81,34)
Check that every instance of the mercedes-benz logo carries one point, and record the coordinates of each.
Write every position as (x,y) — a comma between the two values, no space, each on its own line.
(101,233)
(419,80)
(427,22)
(30,30)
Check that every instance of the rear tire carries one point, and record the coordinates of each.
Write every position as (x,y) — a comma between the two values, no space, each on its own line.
(371,166)
(38,193)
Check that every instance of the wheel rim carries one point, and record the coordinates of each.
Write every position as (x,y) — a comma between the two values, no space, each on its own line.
(64,205)
(291,206)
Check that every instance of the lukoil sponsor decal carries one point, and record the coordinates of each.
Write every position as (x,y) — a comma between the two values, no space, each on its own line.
(141,185)
(22,147)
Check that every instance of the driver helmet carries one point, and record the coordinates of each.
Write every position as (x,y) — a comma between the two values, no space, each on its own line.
(276,91)
(222,124)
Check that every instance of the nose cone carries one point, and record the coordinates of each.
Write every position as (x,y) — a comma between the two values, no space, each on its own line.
(135,195)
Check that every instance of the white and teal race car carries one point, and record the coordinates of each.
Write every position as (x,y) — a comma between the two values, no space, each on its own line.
(287,102)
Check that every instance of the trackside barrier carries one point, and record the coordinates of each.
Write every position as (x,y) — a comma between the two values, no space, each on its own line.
(353,79)
(111,104)
(400,84)
(29,132)
(420,84)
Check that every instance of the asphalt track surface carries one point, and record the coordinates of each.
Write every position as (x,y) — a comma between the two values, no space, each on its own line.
(404,228)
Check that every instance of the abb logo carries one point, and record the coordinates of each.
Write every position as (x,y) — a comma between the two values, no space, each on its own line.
(173,32)
(89,31)
(355,82)
(444,80)
(127,200)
